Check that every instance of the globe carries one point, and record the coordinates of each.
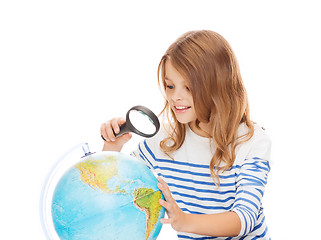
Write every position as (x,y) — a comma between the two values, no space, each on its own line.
(107,195)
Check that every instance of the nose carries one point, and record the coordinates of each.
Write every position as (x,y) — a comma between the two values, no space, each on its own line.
(177,95)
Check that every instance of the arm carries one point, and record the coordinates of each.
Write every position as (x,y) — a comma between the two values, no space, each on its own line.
(242,219)
(251,179)
(225,224)
(221,224)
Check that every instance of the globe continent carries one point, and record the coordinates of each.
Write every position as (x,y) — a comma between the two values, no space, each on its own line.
(107,196)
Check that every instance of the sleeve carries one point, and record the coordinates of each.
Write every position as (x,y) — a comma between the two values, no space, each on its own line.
(251,179)
(146,153)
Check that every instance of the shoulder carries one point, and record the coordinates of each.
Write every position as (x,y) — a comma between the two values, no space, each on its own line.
(153,144)
(149,150)
(259,133)
(258,146)
(162,134)
(261,143)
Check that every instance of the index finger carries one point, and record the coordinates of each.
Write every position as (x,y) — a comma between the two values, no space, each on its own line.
(120,121)
(164,188)
(161,180)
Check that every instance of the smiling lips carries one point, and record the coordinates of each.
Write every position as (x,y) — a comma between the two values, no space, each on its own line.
(181,109)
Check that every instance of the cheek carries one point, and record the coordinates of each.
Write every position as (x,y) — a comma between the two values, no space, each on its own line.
(168,96)
(193,114)
(190,99)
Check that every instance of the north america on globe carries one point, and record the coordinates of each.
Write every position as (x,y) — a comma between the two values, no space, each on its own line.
(107,196)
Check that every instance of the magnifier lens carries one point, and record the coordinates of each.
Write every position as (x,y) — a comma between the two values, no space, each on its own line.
(142,122)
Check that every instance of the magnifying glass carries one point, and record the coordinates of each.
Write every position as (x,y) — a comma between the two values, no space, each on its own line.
(139,120)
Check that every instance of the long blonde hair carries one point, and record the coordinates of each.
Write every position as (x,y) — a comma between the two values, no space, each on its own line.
(207,63)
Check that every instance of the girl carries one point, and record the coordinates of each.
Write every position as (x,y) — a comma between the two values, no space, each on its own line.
(213,161)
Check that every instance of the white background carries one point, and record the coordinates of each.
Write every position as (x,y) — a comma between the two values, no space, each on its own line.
(67,66)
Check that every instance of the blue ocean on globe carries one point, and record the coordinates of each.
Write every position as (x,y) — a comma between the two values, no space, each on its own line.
(107,195)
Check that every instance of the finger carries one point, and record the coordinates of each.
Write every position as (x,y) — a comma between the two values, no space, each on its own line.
(124,138)
(115,125)
(161,180)
(165,190)
(110,132)
(165,221)
(128,136)
(121,121)
(103,133)
(163,203)
(163,184)
(103,138)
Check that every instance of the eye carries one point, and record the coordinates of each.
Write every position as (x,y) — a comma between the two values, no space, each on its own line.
(188,89)
(169,86)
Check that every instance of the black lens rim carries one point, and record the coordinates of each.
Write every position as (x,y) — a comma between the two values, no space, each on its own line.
(150,114)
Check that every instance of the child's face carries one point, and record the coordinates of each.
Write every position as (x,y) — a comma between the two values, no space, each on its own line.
(179,95)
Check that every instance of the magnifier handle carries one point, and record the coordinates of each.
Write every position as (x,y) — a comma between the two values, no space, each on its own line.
(122,130)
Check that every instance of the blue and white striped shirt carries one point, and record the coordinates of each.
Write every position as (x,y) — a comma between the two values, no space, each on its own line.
(189,179)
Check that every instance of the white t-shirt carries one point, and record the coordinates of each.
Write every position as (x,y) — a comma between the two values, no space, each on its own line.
(189,179)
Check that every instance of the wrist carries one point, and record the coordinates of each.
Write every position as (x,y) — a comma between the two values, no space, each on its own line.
(185,223)
(109,146)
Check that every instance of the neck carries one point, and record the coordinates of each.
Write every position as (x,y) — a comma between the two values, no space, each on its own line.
(203,130)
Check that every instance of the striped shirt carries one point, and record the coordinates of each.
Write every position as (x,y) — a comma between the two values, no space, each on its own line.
(189,179)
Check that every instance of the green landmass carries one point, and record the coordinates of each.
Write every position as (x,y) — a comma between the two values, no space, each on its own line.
(147,200)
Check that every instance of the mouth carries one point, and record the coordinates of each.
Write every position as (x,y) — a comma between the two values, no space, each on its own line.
(181,109)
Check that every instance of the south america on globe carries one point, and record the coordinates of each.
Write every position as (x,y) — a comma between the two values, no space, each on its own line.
(108,195)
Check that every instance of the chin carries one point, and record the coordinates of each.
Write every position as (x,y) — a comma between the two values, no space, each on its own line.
(184,120)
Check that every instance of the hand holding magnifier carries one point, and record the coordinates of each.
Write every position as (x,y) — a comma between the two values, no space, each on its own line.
(139,120)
